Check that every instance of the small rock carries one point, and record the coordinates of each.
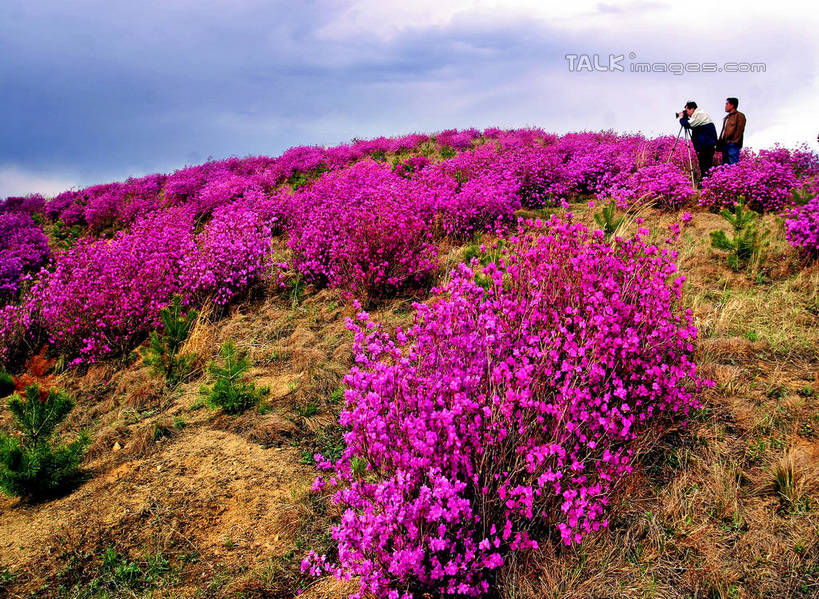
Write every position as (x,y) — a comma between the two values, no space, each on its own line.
(117,446)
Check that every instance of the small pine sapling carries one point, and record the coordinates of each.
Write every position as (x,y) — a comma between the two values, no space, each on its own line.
(163,352)
(31,465)
(230,390)
(606,221)
(746,242)
(6,383)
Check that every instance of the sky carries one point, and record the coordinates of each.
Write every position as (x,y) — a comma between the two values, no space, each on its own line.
(93,91)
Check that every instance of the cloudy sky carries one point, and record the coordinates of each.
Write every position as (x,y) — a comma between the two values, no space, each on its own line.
(98,90)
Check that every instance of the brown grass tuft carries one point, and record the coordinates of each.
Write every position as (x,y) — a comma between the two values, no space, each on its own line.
(202,340)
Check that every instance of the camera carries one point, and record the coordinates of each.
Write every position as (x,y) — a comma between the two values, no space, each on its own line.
(679,115)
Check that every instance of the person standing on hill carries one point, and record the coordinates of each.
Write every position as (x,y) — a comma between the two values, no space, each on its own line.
(703,134)
(733,130)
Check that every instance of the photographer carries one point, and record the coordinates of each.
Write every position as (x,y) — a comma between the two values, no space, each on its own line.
(733,131)
(703,134)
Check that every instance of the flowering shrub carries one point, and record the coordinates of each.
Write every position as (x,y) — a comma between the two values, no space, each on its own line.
(30,204)
(103,294)
(509,409)
(224,187)
(57,206)
(356,229)
(801,160)
(184,184)
(459,140)
(142,197)
(663,185)
(23,248)
(233,248)
(767,185)
(411,166)
(20,329)
(802,227)
(474,191)
(11,269)
(485,203)
(102,203)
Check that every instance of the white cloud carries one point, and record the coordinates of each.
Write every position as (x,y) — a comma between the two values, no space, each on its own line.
(15,181)
(387,18)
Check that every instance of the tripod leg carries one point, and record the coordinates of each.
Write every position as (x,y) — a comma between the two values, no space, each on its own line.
(674,147)
(690,163)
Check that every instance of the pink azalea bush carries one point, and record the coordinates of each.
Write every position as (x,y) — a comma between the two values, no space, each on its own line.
(507,412)
(352,223)
(357,229)
(662,185)
(30,204)
(802,227)
(410,166)
(103,294)
(23,248)
(766,184)
(801,160)
(458,140)
(472,192)
(21,330)
(224,187)
(232,252)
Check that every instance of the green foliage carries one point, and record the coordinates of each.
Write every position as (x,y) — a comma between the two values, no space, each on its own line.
(337,395)
(297,180)
(118,576)
(300,179)
(606,221)
(295,290)
(307,410)
(65,235)
(803,196)
(747,241)
(230,391)
(358,465)
(448,152)
(6,577)
(6,383)
(163,352)
(31,466)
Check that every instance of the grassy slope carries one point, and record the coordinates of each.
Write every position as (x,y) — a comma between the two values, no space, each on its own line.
(183,501)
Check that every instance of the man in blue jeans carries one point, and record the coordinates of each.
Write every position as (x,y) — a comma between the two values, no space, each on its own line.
(703,134)
(733,130)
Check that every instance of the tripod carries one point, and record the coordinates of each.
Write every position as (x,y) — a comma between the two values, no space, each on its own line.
(688,142)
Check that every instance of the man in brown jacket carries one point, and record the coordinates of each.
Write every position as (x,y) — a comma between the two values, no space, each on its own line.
(733,131)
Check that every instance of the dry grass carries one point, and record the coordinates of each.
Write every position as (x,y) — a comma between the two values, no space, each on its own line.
(726,507)
(201,341)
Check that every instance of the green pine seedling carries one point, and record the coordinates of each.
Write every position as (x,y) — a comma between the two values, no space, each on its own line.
(163,352)
(606,221)
(230,391)
(747,241)
(31,465)
(6,383)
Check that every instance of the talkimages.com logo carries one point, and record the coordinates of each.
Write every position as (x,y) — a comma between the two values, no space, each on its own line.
(614,63)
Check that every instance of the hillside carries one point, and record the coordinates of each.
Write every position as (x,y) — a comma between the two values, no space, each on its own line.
(282,255)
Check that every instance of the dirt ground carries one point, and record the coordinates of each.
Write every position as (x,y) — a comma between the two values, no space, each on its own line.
(179,500)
